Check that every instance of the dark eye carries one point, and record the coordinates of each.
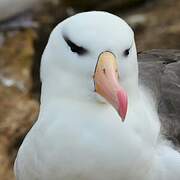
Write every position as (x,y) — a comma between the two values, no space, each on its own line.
(74,47)
(126,52)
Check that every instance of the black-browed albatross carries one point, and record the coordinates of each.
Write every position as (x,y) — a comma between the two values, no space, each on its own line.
(95,121)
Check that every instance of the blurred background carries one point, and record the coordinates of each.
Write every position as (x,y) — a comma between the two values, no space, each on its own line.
(25,26)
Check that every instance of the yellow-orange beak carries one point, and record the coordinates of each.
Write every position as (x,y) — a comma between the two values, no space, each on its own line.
(106,82)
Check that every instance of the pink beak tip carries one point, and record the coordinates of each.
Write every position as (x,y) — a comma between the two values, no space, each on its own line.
(123,103)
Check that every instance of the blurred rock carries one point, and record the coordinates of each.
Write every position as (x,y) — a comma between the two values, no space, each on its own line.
(9,8)
(18,110)
(162,27)
(17,115)
(1,39)
(160,71)
(174,29)
(109,5)
(16,60)
(137,21)
(21,21)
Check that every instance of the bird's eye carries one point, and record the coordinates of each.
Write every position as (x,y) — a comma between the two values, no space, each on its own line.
(126,52)
(74,47)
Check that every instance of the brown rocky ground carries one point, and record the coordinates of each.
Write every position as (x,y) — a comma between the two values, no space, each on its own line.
(18,109)
(161,28)
(156,25)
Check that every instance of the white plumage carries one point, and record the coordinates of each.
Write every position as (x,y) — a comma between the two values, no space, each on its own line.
(79,136)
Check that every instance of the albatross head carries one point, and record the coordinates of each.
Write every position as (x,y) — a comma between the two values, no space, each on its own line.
(90,54)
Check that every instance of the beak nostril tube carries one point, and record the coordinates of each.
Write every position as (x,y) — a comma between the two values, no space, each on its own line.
(104,70)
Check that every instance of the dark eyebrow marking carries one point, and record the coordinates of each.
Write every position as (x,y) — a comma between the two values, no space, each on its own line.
(74,47)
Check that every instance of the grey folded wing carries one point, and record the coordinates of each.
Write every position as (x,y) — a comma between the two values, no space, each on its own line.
(160,71)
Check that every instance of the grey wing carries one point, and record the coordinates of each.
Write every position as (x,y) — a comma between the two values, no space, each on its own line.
(160,71)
